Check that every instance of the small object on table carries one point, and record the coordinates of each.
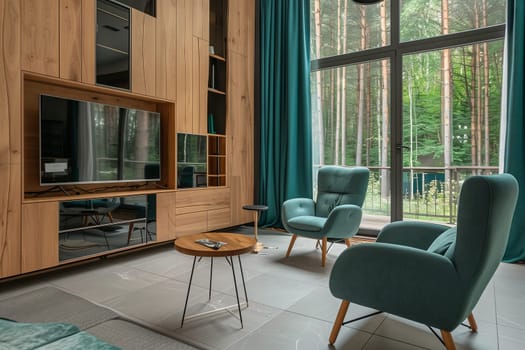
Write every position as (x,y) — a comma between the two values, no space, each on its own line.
(256,208)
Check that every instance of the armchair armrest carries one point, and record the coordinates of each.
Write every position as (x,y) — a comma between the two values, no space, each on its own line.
(411,233)
(405,281)
(343,221)
(297,207)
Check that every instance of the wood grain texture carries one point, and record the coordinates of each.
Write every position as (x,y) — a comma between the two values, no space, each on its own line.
(187,66)
(40,36)
(142,53)
(203,199)
(195,222)
(88,40)
(199,119)
(71,39)
(235,244)
(240,135)
(10,138)
(165,216)
(219,218)
(39,236)
(241,26)
(10,175)
(200,13)
(166,49)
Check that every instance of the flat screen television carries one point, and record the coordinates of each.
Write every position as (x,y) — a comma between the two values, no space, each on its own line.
(87,142)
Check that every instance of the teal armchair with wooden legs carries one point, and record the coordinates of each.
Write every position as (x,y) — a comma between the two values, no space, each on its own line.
(431,273)
(336,214)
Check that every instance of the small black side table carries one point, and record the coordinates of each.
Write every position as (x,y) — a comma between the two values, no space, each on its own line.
(256,208)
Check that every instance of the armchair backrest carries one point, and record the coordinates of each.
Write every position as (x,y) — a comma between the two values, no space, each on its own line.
(339,185)
(485,211)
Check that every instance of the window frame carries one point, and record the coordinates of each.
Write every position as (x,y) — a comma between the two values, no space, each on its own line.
(395,52)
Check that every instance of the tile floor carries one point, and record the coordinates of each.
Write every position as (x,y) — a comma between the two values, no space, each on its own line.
(290,305)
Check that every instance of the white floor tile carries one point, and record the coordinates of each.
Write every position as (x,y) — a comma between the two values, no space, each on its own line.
(292,331)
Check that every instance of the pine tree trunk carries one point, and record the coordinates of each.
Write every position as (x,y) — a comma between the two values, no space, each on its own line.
(385,174)
(486,89)
(446,98)
(338,87)
(361,92)
(320,128)
(343,88)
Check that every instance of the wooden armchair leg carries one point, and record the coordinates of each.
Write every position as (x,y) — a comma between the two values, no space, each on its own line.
(472,323)
(347,242)
(339,321)
(324,244)
(290,246)
(447,339)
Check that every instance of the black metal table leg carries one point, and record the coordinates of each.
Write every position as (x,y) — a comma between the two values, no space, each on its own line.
(211,273)
(236,291)
(188,293)
(243,283)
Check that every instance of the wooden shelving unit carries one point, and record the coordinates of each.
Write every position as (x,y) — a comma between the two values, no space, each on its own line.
(217,94)
(216,160)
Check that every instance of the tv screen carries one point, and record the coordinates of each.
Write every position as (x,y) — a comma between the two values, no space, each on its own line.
(89,142)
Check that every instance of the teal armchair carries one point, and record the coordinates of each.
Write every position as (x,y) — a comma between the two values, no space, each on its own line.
(336,213)
(431,273)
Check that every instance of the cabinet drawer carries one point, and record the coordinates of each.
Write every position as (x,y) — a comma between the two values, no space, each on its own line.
(219,218)
(39,236)
(186,224)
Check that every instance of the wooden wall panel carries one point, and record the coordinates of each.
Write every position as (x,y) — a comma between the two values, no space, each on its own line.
(10,177)
(40,36)
(10,138)
(71,39)
(142,53)
(88,40)
(199,113)
(241,47)
(241,26)
(166,49)
(39,236)
(200,12)
(240,131)
(165,216)
(184,64)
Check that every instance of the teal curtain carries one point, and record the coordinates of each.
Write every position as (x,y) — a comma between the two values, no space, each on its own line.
(285,166)
(515,134)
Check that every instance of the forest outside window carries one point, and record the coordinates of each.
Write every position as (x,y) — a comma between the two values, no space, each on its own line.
(412,90)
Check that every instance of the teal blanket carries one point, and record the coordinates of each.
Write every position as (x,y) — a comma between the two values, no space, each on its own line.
(47,336)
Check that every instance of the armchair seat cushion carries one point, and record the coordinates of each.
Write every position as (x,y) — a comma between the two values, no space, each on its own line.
(307,223)
(444,242)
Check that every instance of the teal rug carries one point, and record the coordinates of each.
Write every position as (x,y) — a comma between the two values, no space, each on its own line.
(48,336)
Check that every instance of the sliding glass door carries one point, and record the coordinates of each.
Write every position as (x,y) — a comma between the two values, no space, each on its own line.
(412,90)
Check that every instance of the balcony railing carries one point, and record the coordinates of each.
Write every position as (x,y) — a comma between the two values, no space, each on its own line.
(429,193)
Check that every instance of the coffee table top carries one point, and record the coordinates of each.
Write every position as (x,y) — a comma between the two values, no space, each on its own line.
(236,244)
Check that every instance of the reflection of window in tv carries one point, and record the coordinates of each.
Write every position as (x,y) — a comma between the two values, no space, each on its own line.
(191,148)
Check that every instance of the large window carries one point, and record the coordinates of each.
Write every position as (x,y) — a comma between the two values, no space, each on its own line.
(412,90)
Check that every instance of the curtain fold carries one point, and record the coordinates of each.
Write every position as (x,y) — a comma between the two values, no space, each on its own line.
(285,118)
(515,132)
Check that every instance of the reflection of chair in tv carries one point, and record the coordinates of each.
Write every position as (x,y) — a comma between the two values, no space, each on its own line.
(150,216)
(94,210)
(186,177)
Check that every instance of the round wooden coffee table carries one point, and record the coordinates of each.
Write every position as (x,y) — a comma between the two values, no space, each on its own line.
(234,245)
